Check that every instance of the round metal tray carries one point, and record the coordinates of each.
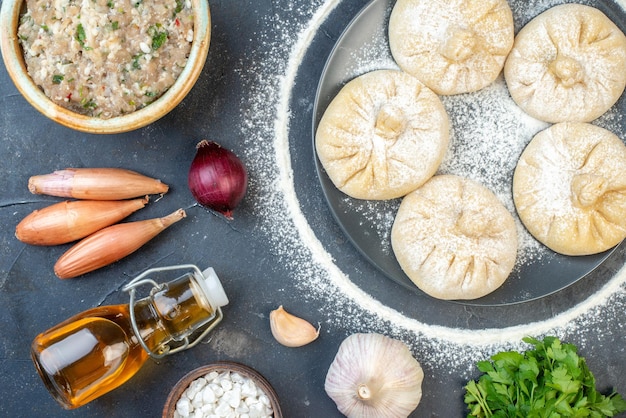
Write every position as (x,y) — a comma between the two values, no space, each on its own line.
(547,272)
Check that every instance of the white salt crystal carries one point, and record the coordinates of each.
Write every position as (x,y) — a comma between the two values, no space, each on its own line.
(208,397)
(223,409)
(217,389)
(237,378)
(248,389)
(226,384)
(264,400)
(211,376)
(233,397)
(183,407)
(197,400)
(195,387)
(242,408)
(208,408)
(257,410)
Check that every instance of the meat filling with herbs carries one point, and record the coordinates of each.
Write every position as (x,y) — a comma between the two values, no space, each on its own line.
(106,58)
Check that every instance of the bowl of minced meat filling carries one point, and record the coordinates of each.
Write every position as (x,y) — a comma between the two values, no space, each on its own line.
(104,66)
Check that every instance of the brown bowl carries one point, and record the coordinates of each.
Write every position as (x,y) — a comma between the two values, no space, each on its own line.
(256,377)
(14,61)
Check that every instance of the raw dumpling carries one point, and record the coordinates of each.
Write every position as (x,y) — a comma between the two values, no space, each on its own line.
(452,46)
(382,136)
(567,65)
(569,188)
(454,239)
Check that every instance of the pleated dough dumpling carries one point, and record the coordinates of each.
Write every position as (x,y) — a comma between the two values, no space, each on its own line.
(567,65)
(454,239)
(569,188)
(452,46)
(382,136)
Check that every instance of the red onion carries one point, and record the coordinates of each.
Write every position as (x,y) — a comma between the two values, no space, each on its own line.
(217,178)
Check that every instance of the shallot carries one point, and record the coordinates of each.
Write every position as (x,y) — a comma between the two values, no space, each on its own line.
(111,244)
(96,184)
(69,221)
(217,178)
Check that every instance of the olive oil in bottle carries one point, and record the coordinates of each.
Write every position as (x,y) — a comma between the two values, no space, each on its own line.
(98,350)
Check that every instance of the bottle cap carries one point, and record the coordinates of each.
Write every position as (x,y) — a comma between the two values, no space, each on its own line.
(212,286)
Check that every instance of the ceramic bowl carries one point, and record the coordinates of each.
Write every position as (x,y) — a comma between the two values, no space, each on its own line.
(256,377)
(10,13)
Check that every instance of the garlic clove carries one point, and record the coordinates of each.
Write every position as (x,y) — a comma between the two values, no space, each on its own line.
(291,331)
(374,376)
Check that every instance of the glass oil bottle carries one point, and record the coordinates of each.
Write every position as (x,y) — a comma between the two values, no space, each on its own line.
(98,350)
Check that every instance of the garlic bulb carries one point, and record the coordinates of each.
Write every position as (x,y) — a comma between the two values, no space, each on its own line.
(374,376)
(290,330)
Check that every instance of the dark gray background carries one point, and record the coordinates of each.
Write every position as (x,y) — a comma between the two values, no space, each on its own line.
(248,52)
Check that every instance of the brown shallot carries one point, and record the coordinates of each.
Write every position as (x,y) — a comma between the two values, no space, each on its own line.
(69,221)
(96,184)
(111,244)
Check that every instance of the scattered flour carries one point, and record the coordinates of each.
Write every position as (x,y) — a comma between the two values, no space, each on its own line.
(295,244)
(491,113)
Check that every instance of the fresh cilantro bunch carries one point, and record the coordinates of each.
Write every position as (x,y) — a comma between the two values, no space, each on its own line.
(550,381)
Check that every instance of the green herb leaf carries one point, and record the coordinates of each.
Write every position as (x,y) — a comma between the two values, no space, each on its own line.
(179,6)
(549,381)
(81,36)
(88,103)
(57,78)
(159,37)
(135,63)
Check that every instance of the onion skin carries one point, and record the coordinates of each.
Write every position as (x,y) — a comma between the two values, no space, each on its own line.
(69,221)
(217,178)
